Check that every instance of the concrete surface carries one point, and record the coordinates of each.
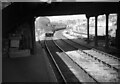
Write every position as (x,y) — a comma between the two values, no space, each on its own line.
(34,68)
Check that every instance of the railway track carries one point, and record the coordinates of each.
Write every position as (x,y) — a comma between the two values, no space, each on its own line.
(62,69)
(105,67)
(109,55)
(107,59)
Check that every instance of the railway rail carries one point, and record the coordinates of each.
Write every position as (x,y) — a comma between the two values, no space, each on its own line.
(60,66)
(107,59)
(106,65)
(61,77)
(112,56)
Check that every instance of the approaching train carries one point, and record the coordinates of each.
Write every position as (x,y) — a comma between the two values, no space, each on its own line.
(49,34)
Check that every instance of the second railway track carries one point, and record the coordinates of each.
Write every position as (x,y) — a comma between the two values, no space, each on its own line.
(105,58)
(107,66)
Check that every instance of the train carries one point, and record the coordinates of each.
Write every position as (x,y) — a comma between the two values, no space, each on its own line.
(49,34)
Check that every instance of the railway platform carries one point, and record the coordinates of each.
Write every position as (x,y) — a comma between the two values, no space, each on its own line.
(33,68)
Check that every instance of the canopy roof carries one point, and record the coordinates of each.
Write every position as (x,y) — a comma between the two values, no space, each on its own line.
(22,11)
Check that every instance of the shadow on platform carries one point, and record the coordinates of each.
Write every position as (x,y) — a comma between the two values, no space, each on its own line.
(34,68)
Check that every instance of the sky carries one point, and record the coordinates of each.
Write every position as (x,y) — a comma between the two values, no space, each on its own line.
(66,17)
